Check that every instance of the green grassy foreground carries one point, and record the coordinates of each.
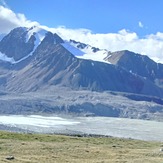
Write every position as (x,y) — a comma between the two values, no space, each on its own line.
(35,148)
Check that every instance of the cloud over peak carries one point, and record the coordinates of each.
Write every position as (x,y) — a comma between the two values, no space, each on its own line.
(10,20)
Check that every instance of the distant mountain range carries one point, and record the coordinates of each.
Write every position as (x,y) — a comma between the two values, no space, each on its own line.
(34,59)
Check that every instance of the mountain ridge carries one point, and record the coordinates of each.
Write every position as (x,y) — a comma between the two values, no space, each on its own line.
(51,63)
(138,64)
(52,78)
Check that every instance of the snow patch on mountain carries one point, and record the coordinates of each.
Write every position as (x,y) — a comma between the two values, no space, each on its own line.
(90,52)
(98,56)
(1,36)
(3,57)
(75,51)
(80,50)
(37,31)
(37,42)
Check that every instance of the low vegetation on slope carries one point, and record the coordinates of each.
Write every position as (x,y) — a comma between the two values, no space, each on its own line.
(34,148)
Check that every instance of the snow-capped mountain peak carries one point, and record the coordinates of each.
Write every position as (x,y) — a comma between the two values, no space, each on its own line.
(52,63)
(37,31)
(28,39)
(89,52)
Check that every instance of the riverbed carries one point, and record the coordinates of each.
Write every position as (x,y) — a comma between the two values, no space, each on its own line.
(107,126)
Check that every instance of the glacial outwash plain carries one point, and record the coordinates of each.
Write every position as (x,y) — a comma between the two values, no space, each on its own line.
(57,105)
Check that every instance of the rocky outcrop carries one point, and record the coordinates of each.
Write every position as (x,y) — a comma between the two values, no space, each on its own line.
(138,64)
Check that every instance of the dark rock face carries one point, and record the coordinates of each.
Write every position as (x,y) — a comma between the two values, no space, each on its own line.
(79,44)
(14,44)
(51,39)
(137,64)
(83,46)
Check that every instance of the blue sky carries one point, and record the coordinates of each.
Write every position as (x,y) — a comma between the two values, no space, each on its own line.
(101,16)
(107,24)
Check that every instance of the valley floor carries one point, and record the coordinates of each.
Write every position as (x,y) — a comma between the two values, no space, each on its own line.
(34,148)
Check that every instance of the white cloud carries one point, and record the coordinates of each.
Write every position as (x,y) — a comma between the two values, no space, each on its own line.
(151,45)
(140,24)
(4,3)
(10,20)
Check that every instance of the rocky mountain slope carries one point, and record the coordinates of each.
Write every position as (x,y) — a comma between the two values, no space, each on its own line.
(39,62)
(138,64)
(35,60)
